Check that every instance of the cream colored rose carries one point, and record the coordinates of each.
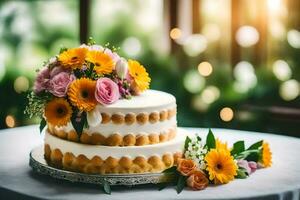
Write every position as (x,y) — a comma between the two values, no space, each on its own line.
(197,180)
(186,166)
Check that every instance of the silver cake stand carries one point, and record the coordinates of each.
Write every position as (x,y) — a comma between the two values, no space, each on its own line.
(39,165)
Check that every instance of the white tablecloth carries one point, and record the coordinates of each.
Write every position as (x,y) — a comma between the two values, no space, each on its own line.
(281,181)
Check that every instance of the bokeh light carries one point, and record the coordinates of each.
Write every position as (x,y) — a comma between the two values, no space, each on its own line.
(175,33)
(60,15)
(293,38)
(21,84)
(30,57)
(195,45)
(289,90)
(205,68)
(277,30)
(247,36)
(210,94)
(198,103)
(10,121)
(193,82)
(245,76)
(132,46)
(226,114)
(274,5)
(212,32)
(282,70)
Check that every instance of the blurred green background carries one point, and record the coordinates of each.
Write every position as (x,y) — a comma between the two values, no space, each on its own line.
(230,63)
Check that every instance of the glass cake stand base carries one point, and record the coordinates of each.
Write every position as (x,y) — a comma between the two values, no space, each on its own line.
(39,165)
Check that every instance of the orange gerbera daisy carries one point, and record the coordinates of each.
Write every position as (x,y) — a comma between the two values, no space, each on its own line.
(103,63)
(58,112)
(82,94)
(139,74)
(222,145)
(266,159)
(73,58)
(221,166)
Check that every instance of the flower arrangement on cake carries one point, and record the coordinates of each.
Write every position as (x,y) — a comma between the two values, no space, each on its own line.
(71,84)
(214,162)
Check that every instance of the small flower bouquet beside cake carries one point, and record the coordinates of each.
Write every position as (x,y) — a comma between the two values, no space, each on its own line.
(214,162)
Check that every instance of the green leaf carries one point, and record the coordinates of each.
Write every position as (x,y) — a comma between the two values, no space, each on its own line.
(106,187)
(242,173)
(78,122)
(42,125)
(199,138)
(210,140)
(186,143)
(249,155)
(253,157)
(170,170)
(238,147)
(181,183)
(256,145)
(162,186)
(62,49)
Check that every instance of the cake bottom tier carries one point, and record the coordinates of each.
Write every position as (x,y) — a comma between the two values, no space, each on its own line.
(96,159)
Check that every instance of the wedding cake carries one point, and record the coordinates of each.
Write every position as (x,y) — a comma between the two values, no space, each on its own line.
(100,116)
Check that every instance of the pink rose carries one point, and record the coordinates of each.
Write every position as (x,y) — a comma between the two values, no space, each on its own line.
(55,71)
(253,166)
(250,166)
(59,84)
(107,91)
(42,80)
(113,55)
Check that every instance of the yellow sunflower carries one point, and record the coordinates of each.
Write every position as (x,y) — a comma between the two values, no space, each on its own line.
(73,58)
(82,94)
(221,166)
(266,155)
(140,76)
(222,145)
(103,63)
(58,112)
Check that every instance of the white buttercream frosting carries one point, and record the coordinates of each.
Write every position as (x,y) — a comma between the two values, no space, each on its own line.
(148,102)
(173,146)
(134,129)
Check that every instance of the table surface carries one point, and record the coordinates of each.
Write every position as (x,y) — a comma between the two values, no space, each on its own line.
(281,181)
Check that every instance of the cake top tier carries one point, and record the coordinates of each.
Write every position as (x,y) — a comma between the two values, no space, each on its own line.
(150,99)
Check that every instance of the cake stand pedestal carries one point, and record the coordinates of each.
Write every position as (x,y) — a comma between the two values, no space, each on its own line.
(39,165)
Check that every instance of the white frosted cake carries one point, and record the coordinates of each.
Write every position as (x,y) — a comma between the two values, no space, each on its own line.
(149,118)
(142,131)
(100,116)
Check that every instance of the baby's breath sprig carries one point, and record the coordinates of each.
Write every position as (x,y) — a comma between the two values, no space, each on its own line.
(91,41)
(36,104)
(196,151)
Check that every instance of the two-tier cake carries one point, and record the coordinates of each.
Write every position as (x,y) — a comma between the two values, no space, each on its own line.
(100,116)
(133,136)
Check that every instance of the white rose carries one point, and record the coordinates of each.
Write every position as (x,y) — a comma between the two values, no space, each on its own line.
(122,68)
